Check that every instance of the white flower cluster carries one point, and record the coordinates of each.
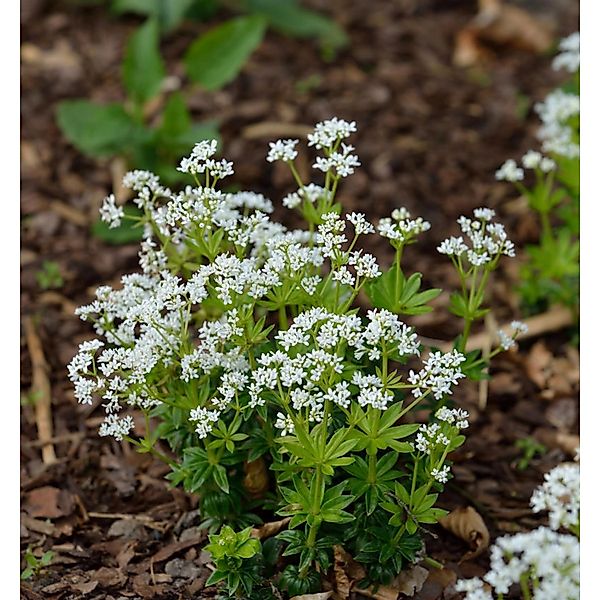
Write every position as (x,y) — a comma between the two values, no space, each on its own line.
(559,495)
(110,212)
(209,259)
(343,162)
(545,557)
(488,240)
(569,57)
(401,227)
(439,373)
(310,193)
(201,161)
(510,171)
(556,134)
(508,341)
(550,558)
(284,150)
(328,133)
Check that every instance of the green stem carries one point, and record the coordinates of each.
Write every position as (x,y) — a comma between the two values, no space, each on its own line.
(283,322)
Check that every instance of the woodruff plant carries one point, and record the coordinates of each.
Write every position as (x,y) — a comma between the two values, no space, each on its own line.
(551,273)
(243,345)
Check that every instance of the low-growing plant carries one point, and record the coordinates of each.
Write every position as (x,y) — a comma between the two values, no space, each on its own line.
(551,273)
(544,563)
(248,349)
(49,276)
(35,565)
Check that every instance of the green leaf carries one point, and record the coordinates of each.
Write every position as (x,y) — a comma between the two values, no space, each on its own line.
(218,56)
(143,67)
(288,17)
(96,129)
(169,13)
(220,477)
(126,233)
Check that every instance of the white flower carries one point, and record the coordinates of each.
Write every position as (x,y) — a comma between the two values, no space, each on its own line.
(326,133)
(453,246)
(559,495)
(506,342)
(200,157)
(282,150)
(285,423)
(441,475)
(361,225)
(531,159)
(509,171)
(569,57)
(110,212)
(519,327)
(343,162)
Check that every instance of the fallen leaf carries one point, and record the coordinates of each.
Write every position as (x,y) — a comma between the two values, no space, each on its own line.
(343,585)
(256,479)
(49,502)
(467,524)
(174,548)
(269,529)
(410,581)
(537,364)
(317,596)
(86,587)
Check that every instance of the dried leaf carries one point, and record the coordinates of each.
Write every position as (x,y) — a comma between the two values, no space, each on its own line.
(410,581)
(467,524)
(343,585)
(317,596)
(49,502)
(269,529)
(537,364)
(85,587)
(256,479)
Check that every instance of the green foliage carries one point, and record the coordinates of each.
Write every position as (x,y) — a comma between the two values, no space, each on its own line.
(236,558)
(35,565)
(96,130)
(143,68)
(217,57)
(529,447)
(49,276)
(290,18)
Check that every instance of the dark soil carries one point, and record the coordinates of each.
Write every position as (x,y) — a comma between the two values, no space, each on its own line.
(430,137)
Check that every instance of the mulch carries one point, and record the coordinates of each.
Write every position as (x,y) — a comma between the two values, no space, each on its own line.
(430,137)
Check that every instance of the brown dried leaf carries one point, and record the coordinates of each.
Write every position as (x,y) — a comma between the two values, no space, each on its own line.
(256,479)
(49,502)
(538,364)
(85,587)
(341,559)
(410,581)
(317,596)
(269,529)
(467,524)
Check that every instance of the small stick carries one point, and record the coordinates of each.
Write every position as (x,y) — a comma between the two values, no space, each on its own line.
(558,317)
(275,129)
(40,388)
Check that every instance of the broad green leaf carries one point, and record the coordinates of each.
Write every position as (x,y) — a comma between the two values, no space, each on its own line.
(288,17)
(143,67)
(96,129)
(217,57)
(127,233)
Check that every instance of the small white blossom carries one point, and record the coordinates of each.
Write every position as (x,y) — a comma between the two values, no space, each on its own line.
(282,150)
(509,171)
(110,212)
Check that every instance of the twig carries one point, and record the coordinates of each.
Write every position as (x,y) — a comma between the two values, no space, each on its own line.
(69,213)
(57,439)
(40,388)
(275,129)
(558,317)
